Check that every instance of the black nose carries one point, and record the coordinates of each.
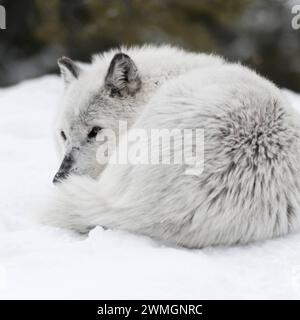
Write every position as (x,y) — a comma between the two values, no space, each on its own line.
(59,177)
(64,169)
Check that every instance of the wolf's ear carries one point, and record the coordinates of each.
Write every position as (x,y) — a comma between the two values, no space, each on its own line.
(68,69)
(122,77)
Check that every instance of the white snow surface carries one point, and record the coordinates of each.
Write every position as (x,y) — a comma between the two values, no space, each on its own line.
(40,262)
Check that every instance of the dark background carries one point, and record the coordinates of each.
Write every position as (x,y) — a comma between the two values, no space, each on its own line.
(256,32)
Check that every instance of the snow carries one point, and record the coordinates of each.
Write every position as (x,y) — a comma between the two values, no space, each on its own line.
(40,262)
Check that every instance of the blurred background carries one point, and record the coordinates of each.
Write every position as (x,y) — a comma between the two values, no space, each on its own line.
(257,32)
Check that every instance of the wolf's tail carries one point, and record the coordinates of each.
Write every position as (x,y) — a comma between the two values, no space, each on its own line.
(75,204)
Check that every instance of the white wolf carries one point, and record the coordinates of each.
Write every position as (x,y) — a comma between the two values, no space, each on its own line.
(250,187)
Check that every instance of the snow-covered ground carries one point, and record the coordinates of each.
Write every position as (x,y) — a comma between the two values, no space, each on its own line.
(43,262)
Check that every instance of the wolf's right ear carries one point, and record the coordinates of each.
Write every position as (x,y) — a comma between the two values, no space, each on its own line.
(68,69)
(122,77)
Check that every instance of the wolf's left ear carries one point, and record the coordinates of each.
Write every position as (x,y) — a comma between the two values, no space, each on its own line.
(122,77)
(68,69)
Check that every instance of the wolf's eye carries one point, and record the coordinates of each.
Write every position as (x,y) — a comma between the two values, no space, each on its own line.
(93,132)
(63,135)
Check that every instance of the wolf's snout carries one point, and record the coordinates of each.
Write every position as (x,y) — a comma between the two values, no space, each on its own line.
(64,169)
(59,176)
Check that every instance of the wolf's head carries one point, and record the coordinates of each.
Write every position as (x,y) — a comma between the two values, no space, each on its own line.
(95,98)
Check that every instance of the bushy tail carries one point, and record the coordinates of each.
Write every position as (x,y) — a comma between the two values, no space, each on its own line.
(75,204)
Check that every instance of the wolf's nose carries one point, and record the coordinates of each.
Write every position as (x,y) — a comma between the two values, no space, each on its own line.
(59,177)
(64,169)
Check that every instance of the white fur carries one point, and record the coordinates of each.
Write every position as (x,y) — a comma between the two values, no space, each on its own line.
(250,186)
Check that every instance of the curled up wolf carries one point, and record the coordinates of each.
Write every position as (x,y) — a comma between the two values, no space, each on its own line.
(249,188)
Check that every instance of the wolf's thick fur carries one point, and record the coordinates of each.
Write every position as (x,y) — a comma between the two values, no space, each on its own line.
(250,187)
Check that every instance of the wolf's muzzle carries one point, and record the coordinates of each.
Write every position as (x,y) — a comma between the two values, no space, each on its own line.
(64,169)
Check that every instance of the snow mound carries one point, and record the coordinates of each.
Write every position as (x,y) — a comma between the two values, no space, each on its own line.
(42,262)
